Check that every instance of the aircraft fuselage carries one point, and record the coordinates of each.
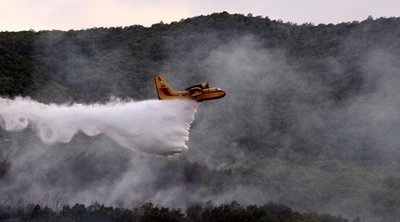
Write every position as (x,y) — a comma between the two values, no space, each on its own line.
(199,92)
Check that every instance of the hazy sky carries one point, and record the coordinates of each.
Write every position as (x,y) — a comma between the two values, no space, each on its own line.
(18,15)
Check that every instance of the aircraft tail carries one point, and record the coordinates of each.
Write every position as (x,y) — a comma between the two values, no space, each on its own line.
(163,89)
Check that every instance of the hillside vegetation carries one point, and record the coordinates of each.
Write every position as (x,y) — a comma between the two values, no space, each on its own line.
(311,119)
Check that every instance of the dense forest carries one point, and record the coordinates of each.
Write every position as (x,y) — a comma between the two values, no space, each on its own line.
(149,213)
(311,119)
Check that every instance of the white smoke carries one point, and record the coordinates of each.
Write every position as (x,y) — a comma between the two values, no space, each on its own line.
(152,126)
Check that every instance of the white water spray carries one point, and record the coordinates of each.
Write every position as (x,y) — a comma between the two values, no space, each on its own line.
(152,126)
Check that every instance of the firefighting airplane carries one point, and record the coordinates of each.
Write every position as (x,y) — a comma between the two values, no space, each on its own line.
(199,92)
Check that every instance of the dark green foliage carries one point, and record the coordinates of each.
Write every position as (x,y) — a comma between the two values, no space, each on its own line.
(120,62)
(149,213)
(272,147)
(15,71)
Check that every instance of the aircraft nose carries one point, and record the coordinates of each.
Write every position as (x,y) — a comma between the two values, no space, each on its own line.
(223,93)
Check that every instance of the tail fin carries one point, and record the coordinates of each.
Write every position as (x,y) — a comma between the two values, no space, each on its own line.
(163,89)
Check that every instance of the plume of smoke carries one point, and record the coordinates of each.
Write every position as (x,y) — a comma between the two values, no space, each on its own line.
(266,91)
(153,126)
(294,115)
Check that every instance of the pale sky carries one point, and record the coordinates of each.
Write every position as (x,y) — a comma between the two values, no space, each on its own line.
(17,15)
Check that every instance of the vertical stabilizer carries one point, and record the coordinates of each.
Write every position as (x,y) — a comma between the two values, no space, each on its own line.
(163,89)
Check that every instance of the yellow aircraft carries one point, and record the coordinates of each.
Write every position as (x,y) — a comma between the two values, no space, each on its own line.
(199,92)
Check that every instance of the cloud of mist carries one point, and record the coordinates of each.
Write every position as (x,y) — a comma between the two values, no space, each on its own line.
(153,126)
(307,149)
(314,148)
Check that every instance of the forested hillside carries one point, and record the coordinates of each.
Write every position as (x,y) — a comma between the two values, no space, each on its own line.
(311,118)
(149,213)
